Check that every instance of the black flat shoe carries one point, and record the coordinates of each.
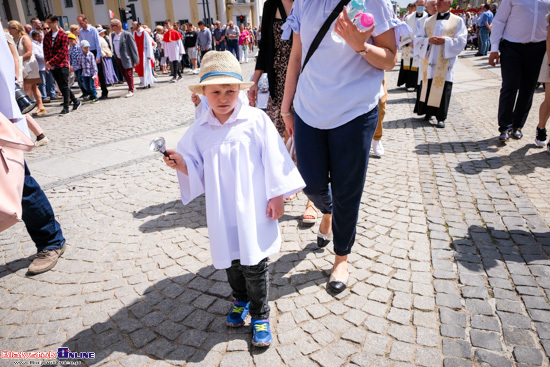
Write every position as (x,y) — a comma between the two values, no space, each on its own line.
(517,134)
(323,239)
(337,285)
(504,136)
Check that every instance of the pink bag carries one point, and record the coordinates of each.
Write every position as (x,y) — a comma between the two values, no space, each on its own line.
(13,144)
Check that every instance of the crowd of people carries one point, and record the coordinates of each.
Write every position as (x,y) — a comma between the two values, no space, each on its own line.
(248,162)
(48,70)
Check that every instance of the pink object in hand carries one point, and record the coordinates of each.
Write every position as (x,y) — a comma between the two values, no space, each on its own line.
(367,20)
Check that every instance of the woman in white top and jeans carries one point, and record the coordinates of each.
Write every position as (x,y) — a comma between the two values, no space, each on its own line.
(336,112)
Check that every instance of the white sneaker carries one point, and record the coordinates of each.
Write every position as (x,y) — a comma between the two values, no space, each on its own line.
(196,71)
(41,142)
(129,94)
(377,148)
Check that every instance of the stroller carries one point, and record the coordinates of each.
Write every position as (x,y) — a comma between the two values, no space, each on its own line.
(472,40)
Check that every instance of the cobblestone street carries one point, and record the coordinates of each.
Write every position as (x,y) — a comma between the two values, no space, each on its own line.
(450,268)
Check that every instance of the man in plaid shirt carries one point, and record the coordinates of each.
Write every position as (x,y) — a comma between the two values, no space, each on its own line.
(56,56)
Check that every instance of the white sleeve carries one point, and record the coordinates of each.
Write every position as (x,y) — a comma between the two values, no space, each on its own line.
(499,23)
(281,175)
(455,45)
(192,184)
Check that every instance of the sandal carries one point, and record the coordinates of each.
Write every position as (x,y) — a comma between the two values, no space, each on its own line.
(291,197)
(309,218)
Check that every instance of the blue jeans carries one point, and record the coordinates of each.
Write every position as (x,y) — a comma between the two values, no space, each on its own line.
(251,284)
(233,47)
(38,216)
(221,46)
(42,86)
(89,86)
(333,163)
(50,85)
(485,42)
(78,76)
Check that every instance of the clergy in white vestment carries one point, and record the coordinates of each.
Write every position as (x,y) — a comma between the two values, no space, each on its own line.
(144,69)
(173,49)
(417,42)
(408,73)
(442,39)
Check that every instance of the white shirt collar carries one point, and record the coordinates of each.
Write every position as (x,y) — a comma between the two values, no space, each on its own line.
(208,117)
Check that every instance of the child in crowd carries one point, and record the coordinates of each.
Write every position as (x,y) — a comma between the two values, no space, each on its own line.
(234,155)
(74,70)
(86,62)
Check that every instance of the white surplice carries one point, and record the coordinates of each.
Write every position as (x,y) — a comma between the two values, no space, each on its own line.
(148,55)
(239,166)
(452,47)
(173,50)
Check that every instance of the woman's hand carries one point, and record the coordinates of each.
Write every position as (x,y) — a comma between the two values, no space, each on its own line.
(275,207)
(253,94)
(289,124)
(354,37)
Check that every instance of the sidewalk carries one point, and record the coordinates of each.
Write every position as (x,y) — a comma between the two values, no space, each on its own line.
(450,266)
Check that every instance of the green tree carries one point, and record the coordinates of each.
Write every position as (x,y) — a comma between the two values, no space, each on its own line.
(454,5)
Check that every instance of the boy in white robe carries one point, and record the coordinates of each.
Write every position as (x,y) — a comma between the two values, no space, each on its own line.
(234,155)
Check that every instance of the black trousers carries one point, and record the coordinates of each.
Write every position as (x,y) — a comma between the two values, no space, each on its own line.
(101,76)
(422,108)
(61,76)
(251,284)
(520,67)
(175,68)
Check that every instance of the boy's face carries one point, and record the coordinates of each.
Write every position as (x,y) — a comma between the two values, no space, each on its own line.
(86,49)
(222,98)
(72,42)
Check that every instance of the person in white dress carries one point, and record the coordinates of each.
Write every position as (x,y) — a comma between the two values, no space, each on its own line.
(235,156)
(442,39)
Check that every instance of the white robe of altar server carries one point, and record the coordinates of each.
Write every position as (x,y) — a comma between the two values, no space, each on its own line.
(173,50)
(240,166)
(452,47)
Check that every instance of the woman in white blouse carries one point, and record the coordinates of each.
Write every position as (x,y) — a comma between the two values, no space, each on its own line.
(336,112)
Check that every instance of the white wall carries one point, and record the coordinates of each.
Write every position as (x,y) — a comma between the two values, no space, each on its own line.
(158,12)
(101,13)
(182,10)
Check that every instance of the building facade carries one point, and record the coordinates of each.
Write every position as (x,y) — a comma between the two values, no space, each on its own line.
(150,12)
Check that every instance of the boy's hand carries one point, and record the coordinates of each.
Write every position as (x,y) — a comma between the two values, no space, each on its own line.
(275,207)
(195,99)
(175,161)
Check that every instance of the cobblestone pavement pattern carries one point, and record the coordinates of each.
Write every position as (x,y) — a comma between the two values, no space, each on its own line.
(450,266)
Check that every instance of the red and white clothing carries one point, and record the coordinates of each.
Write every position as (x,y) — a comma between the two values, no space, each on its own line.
(172,45)
(144,69)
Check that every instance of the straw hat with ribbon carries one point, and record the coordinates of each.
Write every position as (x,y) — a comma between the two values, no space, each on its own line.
(219,68)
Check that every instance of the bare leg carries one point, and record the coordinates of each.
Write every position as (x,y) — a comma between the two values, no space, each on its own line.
(33,125)
(544,110)
(340,268)
(37,96)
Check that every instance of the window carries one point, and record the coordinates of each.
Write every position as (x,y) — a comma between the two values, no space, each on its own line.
(68,3)
(98,2)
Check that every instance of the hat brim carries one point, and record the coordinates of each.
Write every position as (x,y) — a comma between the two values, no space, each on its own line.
(197,88)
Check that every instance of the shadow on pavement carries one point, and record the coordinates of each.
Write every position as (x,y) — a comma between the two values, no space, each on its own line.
(519,161)
(181,319)
(486,249)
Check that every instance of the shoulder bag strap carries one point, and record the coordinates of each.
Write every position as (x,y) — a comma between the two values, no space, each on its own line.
(323,31)
(281,10)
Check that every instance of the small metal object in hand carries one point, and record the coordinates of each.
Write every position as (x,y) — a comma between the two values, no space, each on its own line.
(159,145)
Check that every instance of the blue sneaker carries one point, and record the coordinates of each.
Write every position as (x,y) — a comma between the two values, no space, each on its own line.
(261,333)
(238,314)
